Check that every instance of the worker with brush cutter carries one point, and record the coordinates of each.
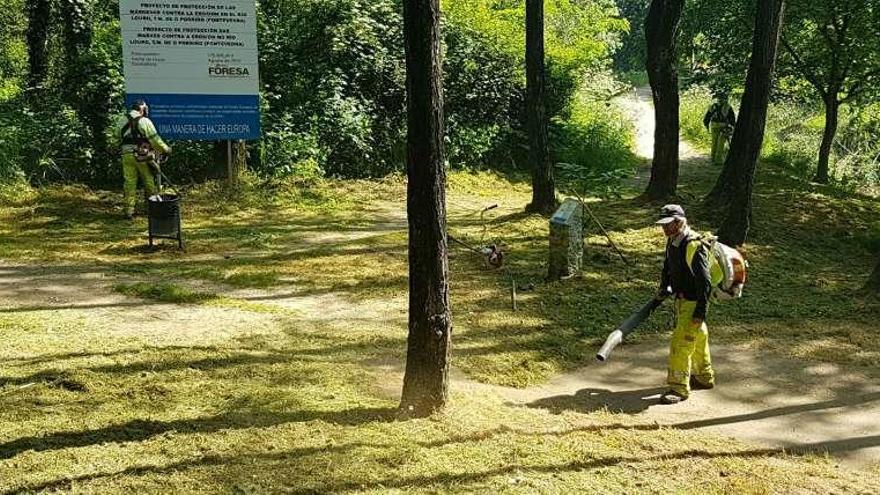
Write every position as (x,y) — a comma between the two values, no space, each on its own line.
(686,277)
(140,144)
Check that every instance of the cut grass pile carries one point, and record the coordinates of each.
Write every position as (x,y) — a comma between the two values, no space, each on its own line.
(296,411)
(266,397)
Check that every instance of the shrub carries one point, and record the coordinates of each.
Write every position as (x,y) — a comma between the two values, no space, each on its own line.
(594,146)
(694,103)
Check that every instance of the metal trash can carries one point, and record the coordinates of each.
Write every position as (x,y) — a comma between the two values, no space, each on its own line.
(163,216)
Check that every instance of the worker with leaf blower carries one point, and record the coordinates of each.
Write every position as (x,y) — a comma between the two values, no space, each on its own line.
(140,142)
(688,278)
(696,269)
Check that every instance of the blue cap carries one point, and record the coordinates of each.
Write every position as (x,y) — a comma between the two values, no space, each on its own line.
(671,213)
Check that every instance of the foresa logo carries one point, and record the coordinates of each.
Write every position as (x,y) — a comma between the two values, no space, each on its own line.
(228,71)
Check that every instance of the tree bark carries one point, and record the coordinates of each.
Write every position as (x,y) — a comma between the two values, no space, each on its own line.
(661,27)
(238,162)
(425,384)
(832,110)
(543,182)
(874,280)
(38,12)
(748,136)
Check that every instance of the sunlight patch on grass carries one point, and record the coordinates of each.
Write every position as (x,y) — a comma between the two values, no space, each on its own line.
(294,407)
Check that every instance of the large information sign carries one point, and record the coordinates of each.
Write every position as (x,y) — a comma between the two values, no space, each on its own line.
(195,64)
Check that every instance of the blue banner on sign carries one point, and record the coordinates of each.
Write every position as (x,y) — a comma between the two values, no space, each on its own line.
(203,117)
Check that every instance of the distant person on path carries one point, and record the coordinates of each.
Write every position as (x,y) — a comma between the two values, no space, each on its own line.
(686,276)
(719,120)
(140,141)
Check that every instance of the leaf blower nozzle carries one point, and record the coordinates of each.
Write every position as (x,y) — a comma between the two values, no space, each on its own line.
(627,327)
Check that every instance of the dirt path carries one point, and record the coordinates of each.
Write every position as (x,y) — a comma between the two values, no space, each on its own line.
(770,401)
(775,402)
(638,107)
(762,398)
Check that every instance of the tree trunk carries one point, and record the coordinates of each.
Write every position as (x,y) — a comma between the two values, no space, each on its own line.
(832,109)
(661,27)
(238,163)
(543,183)
(38,12)
(425,384)
(874,280)
(748,136)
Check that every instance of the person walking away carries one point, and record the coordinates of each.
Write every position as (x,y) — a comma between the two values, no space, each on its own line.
(687,277)
(139,141)
(719,121)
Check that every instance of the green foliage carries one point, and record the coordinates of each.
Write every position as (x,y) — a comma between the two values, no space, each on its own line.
(594,148)
(792,137)
(715,43)
(832,45)
(41,142)
(794,132)
(858,148)
(484,93)
(333,87)
(694,103)
(631,56)
(579,40)
(636,78)
(13,56)
(334,82)
(828,52)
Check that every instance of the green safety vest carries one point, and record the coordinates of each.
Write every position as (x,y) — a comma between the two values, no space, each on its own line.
(716,274)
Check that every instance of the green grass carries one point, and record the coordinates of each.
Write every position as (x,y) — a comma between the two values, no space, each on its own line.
(176,294)
(246,396)
(636,78)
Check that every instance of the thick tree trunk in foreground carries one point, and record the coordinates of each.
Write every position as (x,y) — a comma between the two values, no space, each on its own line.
(832,110)
(748,136)
(543,182)
(661,27)
(425,385)
(38,12)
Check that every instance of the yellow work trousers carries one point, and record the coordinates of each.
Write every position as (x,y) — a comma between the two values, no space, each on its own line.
(131,169)
(720,142)
(689,351)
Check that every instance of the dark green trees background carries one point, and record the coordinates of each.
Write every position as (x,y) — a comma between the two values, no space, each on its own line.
(333,91)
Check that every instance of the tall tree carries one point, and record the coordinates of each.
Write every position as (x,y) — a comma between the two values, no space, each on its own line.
(425,385)
(661,27)
(88,89)
(833,45)
(543,182)
(748,136)
(37,35)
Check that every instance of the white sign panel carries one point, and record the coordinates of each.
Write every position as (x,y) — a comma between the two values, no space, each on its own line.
(195,63)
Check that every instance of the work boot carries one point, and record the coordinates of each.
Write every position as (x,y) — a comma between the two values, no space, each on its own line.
(698,385)
(671,397)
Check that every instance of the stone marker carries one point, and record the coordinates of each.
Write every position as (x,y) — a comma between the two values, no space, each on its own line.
(566,240)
